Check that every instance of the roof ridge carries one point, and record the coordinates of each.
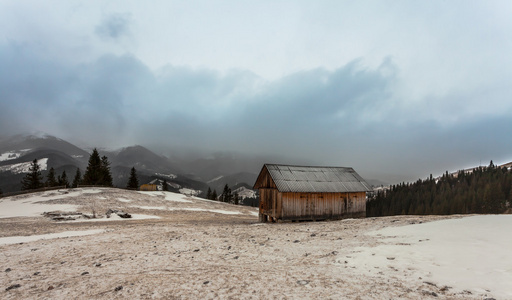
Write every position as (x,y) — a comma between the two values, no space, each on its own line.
(304,166)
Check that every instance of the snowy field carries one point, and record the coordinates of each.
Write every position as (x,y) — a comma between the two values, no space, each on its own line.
(182,247)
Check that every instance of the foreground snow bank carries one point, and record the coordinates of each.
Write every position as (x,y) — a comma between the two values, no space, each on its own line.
(472,253)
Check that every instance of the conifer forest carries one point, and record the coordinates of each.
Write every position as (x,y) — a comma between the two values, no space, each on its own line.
(482,190)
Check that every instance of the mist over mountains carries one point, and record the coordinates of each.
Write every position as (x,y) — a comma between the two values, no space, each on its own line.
(194,174)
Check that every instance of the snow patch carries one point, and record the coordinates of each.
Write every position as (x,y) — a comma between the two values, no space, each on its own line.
(92,191)
(219,211)
(189,192)
(150,207)
(9,156)
(169,196)
(25,239)
(244,192)
(30,208)
(176,197)
(34,205)
(471,253)
(24,167)
(171,176)
(215,179)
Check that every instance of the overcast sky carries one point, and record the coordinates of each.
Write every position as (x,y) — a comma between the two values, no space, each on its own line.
(395,89)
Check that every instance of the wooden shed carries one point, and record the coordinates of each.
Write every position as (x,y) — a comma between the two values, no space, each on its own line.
(310,193)
(149,187)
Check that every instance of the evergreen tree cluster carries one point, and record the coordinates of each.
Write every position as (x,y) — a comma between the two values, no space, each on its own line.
(62,180)
(227,196)
(485,190)
(98,171)
(211,195)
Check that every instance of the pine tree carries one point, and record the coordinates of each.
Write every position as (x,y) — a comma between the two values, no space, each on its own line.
(50,178)
(226,195)
(214,195)
(106,178)
(165,186)
(133,181)
(93,173)
(63,179)
(236,199)
(78,178)
(209,193)
(98,171)
(34,179)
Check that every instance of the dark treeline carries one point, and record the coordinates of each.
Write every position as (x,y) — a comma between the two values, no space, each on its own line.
(229,197)
(485,190)
(97,173)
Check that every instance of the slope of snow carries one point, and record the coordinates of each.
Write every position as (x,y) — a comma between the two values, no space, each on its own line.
(215,179)
(24,167)
(244,192)
(472,253)
(9,155)
(171,176)
(189,192)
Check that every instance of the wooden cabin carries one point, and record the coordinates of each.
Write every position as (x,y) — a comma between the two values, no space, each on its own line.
(310,193)
(149,187)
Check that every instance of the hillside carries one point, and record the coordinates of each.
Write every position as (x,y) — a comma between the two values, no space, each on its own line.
(189,248)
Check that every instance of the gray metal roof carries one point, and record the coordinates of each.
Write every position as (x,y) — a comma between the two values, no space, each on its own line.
(303,179)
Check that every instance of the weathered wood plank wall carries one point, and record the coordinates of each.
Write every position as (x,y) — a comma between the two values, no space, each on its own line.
(322,205)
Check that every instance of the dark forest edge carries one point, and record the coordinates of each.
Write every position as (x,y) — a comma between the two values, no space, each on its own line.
(484,190)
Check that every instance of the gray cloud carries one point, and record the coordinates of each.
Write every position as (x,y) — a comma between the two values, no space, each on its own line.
(347,116)
(114,26)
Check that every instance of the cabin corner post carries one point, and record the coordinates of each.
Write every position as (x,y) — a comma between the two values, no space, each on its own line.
(262,216)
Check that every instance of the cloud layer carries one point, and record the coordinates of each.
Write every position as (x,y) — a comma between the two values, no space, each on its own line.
(396,100)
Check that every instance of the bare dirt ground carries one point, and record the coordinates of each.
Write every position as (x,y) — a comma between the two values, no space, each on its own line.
(202,255)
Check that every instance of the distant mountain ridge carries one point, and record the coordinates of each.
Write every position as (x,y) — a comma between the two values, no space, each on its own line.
(64,156)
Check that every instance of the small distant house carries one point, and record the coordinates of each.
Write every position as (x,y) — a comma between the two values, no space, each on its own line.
(149,187)
(310,193)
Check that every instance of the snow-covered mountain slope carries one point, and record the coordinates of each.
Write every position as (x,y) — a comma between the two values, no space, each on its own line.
(24,167)
(244,192)
(22,143)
